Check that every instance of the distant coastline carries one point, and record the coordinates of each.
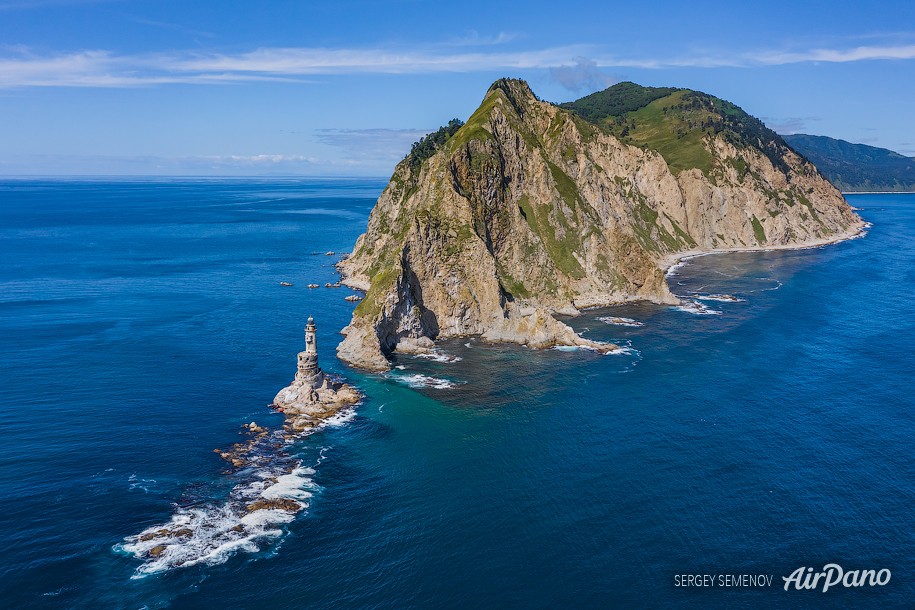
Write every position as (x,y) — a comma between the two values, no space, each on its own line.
(878,192)
(672,262)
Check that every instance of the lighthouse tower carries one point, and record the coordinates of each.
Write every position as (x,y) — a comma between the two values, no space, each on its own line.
(311,341)
(309,372)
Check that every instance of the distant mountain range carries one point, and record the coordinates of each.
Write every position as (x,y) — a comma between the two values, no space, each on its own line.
(856,167)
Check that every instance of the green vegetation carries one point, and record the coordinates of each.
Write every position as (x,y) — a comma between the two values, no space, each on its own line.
(513,287)
(758,230)
(560,249)
(565,185)
(426,146)
(616,101)
(475,127)
(374,298)
(683,235)
(856,167)
(675,122)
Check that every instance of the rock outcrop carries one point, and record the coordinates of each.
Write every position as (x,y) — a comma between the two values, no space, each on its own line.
(313,396)
(528,211)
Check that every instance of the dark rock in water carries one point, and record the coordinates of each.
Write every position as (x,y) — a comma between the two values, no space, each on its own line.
(157,550)
(163,533)
(275,504)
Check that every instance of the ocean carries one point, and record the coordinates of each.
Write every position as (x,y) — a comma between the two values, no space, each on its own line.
(766,426)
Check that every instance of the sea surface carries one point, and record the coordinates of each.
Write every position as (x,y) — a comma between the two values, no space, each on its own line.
(768,427)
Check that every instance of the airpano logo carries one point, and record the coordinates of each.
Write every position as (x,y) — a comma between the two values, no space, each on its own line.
(833,575)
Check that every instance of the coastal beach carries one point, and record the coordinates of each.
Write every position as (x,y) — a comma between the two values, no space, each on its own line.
(672,262)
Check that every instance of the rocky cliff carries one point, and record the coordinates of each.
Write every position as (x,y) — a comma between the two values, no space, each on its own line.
(531,210)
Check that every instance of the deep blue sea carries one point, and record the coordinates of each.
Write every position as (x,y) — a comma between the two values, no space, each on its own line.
(142,323)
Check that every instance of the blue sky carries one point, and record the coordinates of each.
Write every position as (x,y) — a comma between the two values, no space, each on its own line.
(342,88)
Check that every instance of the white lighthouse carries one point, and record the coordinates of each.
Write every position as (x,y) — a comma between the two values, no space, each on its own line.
(311,340)
(309,372)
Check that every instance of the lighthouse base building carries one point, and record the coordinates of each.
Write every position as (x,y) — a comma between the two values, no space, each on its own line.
(313,396)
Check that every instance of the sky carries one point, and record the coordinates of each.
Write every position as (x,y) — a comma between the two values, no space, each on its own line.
(343,87)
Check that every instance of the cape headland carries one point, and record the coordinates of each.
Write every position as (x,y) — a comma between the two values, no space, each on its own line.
(531,210)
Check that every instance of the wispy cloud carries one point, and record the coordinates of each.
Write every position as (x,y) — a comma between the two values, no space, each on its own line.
(575,66)
(583,74)
(864,53)
(17,5)
(790,125)
(475,39)
(190,165)
(376,146)
(174,27)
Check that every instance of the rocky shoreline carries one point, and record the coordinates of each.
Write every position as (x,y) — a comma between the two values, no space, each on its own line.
(269,491)
(672,262)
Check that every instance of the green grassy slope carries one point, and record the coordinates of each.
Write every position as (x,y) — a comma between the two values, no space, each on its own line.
(675,121)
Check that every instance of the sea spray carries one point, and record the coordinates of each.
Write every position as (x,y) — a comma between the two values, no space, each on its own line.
(271,486)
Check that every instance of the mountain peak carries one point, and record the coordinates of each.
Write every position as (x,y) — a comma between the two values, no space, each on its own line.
(529,210)
(513,88)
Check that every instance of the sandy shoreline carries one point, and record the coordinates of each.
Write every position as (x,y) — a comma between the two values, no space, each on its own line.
(670,263)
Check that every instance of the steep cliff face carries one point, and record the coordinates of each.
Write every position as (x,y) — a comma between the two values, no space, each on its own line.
(529,210)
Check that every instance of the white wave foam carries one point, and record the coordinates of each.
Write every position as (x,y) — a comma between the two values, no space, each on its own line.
(339,418)
(290,485)
(672,271)
(266,497)
(438,356)
(617,321)
(590,348)
(418,380)
(623,350)
(136,482)
(697,308)
(722,298)
(208,535)
(567,348)
(778,284)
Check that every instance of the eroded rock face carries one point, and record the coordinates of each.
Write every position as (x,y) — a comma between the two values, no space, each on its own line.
(529,211)
(313,397)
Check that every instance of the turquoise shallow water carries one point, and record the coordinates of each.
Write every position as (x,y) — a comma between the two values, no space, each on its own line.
(143,323)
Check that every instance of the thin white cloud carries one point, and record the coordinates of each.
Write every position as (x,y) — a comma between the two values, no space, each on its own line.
(475,39)
(191,165)
(99,68)
(14,5)
(386,146)
(789,125)
(336,61)
(864,53)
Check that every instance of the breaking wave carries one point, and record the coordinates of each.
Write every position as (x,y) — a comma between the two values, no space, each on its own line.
(419,380)
(625,349)
(697,308)
(722,298)
(438,356)
(272,487)
(616,321)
